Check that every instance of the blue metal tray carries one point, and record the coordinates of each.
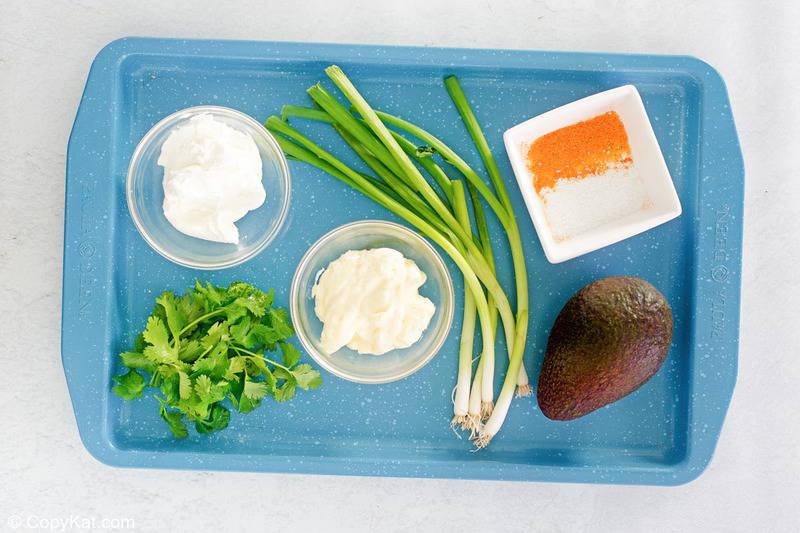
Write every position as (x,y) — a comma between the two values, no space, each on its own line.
(664,433)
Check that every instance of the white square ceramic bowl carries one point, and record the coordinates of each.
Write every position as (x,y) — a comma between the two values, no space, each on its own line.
(647,159)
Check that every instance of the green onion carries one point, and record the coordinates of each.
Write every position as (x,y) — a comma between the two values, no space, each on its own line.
(413,175)
(509,384)
(461,399)
(443,216)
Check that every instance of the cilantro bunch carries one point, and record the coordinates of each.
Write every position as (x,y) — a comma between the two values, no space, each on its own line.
(209,345)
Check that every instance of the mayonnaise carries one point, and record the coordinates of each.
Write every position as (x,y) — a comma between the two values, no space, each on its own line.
(368,300)
(212,178)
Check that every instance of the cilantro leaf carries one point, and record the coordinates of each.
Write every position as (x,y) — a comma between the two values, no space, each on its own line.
(195,407)
(246,404)
(285,392)
(218,332)
(255,303)
(234,311)
(210,296)
(252,299)
(210,345)
(175,421)
(156,333)
(159,313)
(160,354)
(190,350)
(203,366)
(279,320)
(258,364)
(240,330)
(261,334)
(137,360)
(219,390)
(139,343)
(306,377)
(253,368)
(192,309)
(129,386)
(184,385)
(209,391)
(176,319)
(236,365)
(159,349)
(255,390)
(281,373)
(203,427)
(202,387)
(270,381)
(219,361)
(239,289)
(290,354)
(170,387)
(235,389)
(220,417)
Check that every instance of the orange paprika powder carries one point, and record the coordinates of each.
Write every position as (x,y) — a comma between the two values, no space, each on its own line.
(587,148)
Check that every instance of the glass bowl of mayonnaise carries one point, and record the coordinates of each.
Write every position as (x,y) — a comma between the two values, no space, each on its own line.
(208,187)
(372,302)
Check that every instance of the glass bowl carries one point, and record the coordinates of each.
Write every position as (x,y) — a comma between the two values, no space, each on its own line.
(347,363)
(145,195)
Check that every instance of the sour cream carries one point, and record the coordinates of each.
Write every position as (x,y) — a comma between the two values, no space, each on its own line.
(369,301)
(212,178)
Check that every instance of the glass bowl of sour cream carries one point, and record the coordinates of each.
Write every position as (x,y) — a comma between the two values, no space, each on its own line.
(347,362)
(209,161)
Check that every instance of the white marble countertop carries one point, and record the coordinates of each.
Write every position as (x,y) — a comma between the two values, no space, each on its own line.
(753,482)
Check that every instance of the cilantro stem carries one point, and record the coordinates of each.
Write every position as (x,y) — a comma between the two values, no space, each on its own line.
(252,355)
(205,353)
(196,321)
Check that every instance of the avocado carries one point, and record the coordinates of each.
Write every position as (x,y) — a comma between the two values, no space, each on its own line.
(608,340)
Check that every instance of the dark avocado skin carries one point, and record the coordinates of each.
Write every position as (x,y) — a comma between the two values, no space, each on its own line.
(609,339)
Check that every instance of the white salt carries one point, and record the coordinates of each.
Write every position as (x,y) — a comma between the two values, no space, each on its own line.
(576,205)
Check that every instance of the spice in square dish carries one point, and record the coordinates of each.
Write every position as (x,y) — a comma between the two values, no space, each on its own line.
(585,175)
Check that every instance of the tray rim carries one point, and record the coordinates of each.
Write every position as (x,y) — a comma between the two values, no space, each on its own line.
(86,257)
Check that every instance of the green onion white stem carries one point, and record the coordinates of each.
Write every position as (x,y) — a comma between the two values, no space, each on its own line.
(461,400)
(473,423)
(498,416)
